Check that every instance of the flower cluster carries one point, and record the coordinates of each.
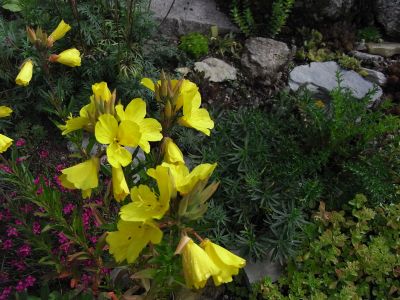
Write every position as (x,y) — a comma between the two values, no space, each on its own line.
(42,42)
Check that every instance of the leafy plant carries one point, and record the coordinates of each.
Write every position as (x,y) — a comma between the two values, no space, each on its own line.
(280,12)
(314,48)
(242,16)
(195,44)
(369,34)
(351,63)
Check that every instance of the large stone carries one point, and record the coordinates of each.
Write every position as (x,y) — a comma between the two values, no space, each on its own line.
(384,49)
(216,70)
(320,79)
(257,271)
(264,59)
(189,15)
(367,58)
(388,15)
(319,10)
(375,76)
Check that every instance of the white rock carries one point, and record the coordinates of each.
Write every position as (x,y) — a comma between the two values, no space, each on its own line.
(216,70)
(320,79)
(366,57)
(384,49)
(375,76)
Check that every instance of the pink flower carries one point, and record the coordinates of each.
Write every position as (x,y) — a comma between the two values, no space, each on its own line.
(62,238)
(37,180)
(29,281)
(87,213)
(12,232)
(36,228)
(27,208)
(93,239)
(21,159)
(60,167)
(5,169)
(20,286)
(6,293)
(7,244)
(20,142)
(39,191)
(68,209)
(19,265)
(25,250)
(43,153)
(18,222)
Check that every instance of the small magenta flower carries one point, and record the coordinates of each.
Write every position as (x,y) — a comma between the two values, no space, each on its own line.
(43,153)
(6,293)
(36,228)
(5,169)
(18,222)
(20,142)
(20,286)
(29,281)
(12,232)
(68,209)
(7,245)
(25,250)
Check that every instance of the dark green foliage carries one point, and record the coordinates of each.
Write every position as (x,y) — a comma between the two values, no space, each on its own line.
(369,34)
(275,166)
(194,44)
(280,12)
(351,254)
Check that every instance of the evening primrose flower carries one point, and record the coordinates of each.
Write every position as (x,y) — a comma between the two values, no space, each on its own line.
(109,132)
(194,116)
(172,153)
(101,91)
(5,111)
(145,205)
(5,143)
(70,57)
(25,74)
(226,261)
(83,176)
(58,33)
(131,238)
(120,187)
(197,265)
(150,128)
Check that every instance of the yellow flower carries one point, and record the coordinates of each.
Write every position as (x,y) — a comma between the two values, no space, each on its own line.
(185,181)
(150,128)
(120,187)
(194,116)
(82,176)
(319,104)
(101,91)
(70,57)
(108,132)
(226,261)
(58,33)
(131,238)
(5,143)
(5,111)
(165,182)
(25,74)
(172,153)
(197,266)
(73,124)
(145,205)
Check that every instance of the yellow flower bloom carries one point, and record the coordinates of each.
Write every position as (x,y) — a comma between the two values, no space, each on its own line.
(197,266)
(150,128)
(131,238)
(73,124)
(70,57)
(120,187)
(165,182)
(108,132)
(82,176)
(101,91)
(194,116)
(59,32)
(5,111)
(226,261)
(145,205)
(172,153)
(185,181)
(5,143)
(25,74)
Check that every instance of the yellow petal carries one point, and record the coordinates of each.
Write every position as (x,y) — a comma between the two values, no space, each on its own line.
(144,206)
(197,266)
(5,143)
(172,154)
(131,238)
(5,111)
(200,172)
(82,176)
(118,156)
(189,90)
(136,110)
(73,124)
(128,134)
(106,129)
(226,261)
(120,187)
(147,82)
(70,57)
(119,108)
(86,193)
(60,31)
(151,131)
(179,172)
(165,183)
(101,91)
(25,74)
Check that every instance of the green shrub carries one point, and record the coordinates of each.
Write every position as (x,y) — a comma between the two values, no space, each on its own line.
(280,12)
(350,254)
(369,34)
(194,44)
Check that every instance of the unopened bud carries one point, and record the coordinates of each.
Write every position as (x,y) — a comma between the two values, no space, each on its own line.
(31,34)
(168,110)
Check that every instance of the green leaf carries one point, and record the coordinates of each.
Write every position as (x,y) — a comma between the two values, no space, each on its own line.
(13,5)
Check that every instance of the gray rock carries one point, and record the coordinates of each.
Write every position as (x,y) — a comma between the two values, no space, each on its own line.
(322,9)
(216,70)
(264,59)
(320,79)
(367,58)
(375,76)
(189,16)
(388,15)
(256,271)
(384,49)
(183,70)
